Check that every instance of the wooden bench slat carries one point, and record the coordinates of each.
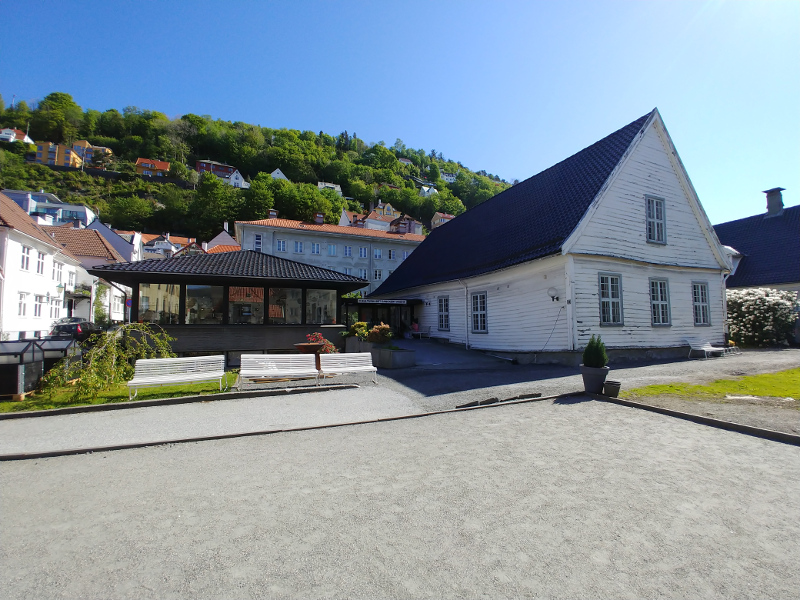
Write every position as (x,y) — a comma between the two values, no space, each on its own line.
(155,372)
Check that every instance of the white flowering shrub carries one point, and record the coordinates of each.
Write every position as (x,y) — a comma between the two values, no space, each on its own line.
(761,316)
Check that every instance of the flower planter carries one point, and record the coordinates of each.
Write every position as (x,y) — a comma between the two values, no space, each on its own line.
(396,359)
(611,388)
(593,379)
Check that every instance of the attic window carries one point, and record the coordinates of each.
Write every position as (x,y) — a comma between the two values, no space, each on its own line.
(656,221)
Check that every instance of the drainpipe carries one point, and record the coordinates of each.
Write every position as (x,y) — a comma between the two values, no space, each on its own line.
(466,313)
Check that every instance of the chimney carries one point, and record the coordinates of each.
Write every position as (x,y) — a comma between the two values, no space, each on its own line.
(273,214)
(166,236)
(225,226)
(774,201)
(319,218)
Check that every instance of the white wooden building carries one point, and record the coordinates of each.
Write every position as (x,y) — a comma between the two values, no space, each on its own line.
(612,241)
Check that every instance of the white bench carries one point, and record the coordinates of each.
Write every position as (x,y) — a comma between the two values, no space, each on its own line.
(277,366)
(705,347)
(422,332)
(350,362)
(155,372)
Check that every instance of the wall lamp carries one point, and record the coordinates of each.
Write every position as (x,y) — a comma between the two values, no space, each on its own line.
(553,293)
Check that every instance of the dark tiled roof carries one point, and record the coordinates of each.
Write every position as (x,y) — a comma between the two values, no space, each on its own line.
(770,247)
(525,222)
(244,263)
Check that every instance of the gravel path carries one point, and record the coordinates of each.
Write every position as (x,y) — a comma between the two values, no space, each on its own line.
(547,499)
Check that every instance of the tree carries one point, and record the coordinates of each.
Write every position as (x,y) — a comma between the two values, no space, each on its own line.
(433,173)
(130,212)
(215,202)
(258,199)
(57,118)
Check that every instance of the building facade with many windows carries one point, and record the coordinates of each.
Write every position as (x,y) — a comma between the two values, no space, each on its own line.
(366,253)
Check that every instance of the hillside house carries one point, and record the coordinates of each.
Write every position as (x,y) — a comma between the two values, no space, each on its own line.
(15,135)
(439,219)
(278,174)
(152,167)
(612,241)
(229,174)
(48,209)
(324,185)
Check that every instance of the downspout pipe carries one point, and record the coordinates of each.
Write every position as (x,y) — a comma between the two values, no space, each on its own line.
(466,313)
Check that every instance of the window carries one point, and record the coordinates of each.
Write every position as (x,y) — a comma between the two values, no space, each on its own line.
(58,271)
(23,304)
(72,278)
(285,305)
(610,299)
(378,275)
(147,173)
(479,312)
(659,302)
(160,304)
(26,259)
(38,302)
(40,263)
(204,304)
(700,306)
(377,253)
(348,251)
(280,245)
(656,224)
(392,254)
(321,307)
(348,271)
(362,252)
(405,254)
(257,242)
(314,248)
(362,273)
(55,308)
(331,249)
(298,247)
(246,305)
(444,313)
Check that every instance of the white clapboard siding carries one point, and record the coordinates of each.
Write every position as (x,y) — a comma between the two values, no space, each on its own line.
(638,332)
(521,316)
(617,225)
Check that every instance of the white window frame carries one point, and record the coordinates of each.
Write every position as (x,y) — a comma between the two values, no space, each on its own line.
(22,308)
(444,313)
(348,271)
(71,278)
(40,263)
(655,210)
(314,248)
(479,312)
(362,273)
(362,252)
(377,253)
(331,249)
(298,247)
(58,271)
(608,300)
(701,307)
(660,311)
(392,254)
(280,245)
(348,251)
(55,308)
(257,242)
(38,302)
(405,254)
(25,264)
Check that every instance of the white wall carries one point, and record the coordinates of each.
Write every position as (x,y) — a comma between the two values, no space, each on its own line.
(637,330)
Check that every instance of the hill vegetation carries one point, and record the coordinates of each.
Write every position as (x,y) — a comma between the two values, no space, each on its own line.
(366,172)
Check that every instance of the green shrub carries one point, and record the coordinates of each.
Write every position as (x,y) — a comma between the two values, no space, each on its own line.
(761,316)
(594,355)
(380,334)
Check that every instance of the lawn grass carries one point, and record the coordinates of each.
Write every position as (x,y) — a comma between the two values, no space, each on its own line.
(117,394)
(782,384)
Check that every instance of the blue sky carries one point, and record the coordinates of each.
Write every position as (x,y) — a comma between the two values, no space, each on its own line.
(509,87)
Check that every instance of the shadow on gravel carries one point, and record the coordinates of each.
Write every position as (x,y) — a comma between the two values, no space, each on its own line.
(567,400)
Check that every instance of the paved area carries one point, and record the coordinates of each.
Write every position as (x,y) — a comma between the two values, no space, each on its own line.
(562,499)
(446,377)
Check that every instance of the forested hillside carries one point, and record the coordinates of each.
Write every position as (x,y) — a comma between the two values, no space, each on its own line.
(305,157)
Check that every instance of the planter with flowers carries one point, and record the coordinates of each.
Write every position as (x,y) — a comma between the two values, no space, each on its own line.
(594,369)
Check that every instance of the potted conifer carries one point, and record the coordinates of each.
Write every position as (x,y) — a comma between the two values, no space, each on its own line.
(594,369)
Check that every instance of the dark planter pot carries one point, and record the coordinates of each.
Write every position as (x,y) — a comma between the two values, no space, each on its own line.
(593,379)
(611,388)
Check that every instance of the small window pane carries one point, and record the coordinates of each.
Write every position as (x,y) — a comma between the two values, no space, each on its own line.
(321,307)
(246,305)
(285,305)
(159,303)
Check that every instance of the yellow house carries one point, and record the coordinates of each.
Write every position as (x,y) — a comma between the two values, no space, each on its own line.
(89,153)
(48,153)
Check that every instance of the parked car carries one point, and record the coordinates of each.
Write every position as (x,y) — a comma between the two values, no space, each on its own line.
(74,327)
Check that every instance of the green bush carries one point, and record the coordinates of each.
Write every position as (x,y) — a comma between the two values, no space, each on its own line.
(761,316)
(380,334)
(594,355)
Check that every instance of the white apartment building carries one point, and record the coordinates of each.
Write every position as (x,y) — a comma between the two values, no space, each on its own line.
(37,276)
(48,209)
(370,254)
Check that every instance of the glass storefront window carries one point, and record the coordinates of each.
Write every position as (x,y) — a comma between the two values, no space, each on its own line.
(320,307)
(285,306)
(159,303)
(246,305)
(204,304)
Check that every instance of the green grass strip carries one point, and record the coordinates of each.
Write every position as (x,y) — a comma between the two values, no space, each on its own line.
(782,384)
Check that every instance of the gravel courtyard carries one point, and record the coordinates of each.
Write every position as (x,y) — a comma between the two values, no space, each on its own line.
(565,499)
